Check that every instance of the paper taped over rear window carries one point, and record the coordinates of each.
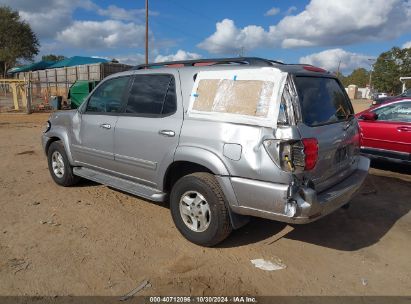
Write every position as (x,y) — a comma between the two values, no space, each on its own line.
(250,96)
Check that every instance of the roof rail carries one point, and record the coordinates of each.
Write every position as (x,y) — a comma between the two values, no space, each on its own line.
(254,61)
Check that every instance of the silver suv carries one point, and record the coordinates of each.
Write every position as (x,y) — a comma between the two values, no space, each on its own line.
(220,139)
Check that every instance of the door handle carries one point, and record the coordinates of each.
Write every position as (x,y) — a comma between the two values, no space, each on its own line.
(105,126)
(404,129)
(168,133)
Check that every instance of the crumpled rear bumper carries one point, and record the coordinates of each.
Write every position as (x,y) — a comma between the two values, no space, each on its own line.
(314,206)
(311,205)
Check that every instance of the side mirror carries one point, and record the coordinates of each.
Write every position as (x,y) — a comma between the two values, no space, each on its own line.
(371,116)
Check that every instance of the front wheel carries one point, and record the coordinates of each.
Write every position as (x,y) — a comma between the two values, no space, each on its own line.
(59,166)
(198,209)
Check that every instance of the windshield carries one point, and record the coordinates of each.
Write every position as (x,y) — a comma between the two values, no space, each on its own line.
(322,100)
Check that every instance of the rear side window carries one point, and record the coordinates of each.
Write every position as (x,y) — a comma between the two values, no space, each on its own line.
(322,100)
(152,95)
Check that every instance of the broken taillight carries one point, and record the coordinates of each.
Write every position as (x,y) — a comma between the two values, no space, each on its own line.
(310,152)
(293,155)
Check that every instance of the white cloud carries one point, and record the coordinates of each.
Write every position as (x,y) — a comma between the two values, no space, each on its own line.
(329,60)
(406,45)
(44,6)
(49,47)
(103,34)
(290,10)
(47,17)
(46,24)
(118,13)
(229,39)
(139,58)
(326,22)
(322,23)
(272,11)
(179,55)
(53,23)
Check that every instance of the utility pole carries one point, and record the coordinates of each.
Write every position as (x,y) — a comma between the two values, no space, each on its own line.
(372,60)
(146,31)
(369,82)
(338,68)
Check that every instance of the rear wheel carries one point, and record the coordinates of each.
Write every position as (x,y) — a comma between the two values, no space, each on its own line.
(198,209)
(59,166)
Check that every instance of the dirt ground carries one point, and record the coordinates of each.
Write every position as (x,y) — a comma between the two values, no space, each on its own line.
(93,240)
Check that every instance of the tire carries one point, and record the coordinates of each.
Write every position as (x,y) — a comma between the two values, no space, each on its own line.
(198,209)
(59,165)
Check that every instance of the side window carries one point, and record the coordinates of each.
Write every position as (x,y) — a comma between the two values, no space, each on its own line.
(400,112)
(108,98)
(153,94)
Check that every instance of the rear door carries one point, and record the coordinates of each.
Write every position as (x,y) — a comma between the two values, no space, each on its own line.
(391,131)
(147,134)
(327,115)
(94,141)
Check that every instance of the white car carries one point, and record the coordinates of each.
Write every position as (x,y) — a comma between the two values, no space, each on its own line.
(381,95)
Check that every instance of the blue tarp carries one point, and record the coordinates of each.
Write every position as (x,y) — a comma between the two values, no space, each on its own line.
(76,60)
(41,65)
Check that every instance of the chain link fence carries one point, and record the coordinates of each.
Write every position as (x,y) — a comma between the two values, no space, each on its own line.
(43,90)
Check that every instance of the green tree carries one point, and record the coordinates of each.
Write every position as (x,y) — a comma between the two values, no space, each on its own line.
(359,77)
(17,40)
(388,69)
(52,57)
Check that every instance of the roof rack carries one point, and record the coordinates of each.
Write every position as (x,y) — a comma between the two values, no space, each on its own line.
(254,61)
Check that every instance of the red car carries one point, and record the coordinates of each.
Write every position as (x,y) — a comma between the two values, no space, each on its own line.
(386,131)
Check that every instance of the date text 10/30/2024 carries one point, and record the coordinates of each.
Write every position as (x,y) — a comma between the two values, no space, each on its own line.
(171,299)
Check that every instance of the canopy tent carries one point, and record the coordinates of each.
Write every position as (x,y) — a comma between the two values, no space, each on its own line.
(68,62)
(76,60)
(41,65)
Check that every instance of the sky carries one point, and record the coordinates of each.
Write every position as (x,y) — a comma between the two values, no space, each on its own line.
(325,33)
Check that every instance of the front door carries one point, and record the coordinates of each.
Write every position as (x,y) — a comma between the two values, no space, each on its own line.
(95,146)
(391,131)
(147,134)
